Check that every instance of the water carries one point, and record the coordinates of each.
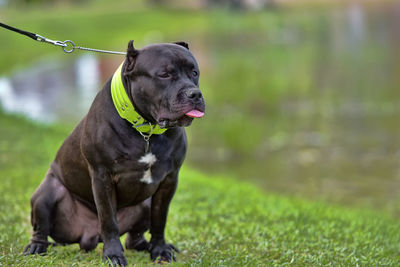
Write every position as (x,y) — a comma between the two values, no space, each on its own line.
(52,90)
(309,107)
(306,103)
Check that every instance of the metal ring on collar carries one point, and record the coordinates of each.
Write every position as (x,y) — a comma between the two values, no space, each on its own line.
(68,43)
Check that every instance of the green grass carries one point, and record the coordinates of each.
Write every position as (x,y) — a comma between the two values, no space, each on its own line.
(215,221)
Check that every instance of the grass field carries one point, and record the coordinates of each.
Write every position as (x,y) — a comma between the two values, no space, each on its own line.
(215,221)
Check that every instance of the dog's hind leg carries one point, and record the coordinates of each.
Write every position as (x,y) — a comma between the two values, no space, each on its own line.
(43,203)
(135,239)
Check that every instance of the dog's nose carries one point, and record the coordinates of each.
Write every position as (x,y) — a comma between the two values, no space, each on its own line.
(194,94)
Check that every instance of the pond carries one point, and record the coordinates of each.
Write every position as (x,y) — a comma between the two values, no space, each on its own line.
(53,90)
(305,103)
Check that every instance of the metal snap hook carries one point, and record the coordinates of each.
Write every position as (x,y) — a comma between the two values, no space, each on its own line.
(69,46)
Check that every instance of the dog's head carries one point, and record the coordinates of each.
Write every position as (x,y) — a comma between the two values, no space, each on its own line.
(163,83)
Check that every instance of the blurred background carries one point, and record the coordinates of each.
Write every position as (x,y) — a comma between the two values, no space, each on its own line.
(303,97)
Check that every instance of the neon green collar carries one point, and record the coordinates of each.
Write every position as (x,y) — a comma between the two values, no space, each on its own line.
(126,110)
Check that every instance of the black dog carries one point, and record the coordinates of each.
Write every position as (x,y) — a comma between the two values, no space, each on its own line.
(118,170)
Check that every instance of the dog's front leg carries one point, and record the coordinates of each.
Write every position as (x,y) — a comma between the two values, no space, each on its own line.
(159,211)
(105,199)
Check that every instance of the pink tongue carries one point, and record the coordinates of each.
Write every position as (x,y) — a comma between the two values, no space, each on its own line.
(195,114)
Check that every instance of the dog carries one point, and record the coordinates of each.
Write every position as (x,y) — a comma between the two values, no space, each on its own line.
(117,171)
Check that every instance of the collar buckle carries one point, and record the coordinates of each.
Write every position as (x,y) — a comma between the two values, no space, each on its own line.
(146,135)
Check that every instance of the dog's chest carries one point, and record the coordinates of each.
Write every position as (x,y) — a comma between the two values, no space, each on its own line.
(138,174)
(142,169)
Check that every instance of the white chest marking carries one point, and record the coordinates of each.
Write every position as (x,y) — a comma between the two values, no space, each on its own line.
(148,159)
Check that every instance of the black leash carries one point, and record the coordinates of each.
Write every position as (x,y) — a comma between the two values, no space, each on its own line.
(29,34)
(67,46)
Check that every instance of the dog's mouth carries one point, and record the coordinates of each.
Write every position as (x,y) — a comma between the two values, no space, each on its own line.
(183,120)
(195,113)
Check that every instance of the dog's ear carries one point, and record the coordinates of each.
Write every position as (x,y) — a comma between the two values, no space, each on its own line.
(130,57)
(184,44)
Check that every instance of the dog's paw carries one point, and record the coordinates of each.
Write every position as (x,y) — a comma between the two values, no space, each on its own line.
(113,254)
(116,260)
(36,248)
(162,252)
(139,243)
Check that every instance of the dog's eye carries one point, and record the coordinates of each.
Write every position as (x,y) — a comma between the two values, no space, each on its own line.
(195,73)
(164,75)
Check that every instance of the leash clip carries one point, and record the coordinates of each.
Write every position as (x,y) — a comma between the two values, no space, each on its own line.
(49,41)
(67,46)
